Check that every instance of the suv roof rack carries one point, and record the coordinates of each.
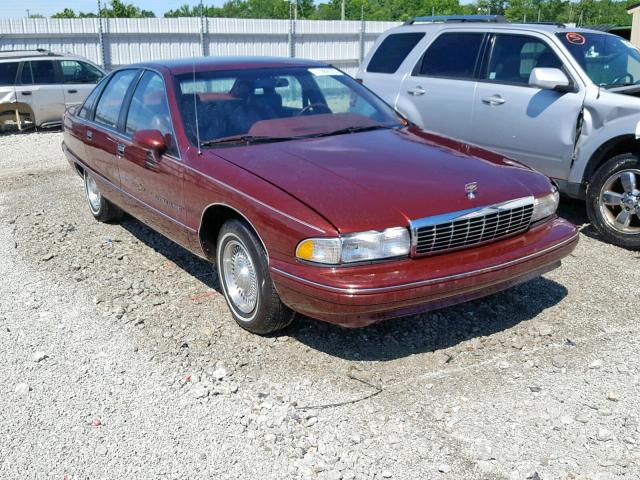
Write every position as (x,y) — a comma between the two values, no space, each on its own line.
(457,18)
(38,52)
(555,24)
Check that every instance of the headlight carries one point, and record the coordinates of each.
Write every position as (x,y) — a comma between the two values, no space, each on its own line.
(356,247)
(545,206)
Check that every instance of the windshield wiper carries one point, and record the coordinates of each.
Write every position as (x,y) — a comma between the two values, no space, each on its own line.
(342,131)
(245,139)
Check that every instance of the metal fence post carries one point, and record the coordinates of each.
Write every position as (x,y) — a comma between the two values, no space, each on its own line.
(363,29)
(101,47)
(292,32)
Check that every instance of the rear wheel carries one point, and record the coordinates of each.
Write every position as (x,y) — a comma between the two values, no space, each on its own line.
(244,274)
(613,200)
(101,208)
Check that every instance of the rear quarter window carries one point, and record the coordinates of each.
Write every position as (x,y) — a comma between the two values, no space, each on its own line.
(8,73)
(392,52)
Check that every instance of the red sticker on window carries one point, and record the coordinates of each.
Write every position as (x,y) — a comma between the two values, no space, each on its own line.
(576,38)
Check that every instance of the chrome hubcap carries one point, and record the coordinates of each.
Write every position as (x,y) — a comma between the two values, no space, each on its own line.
(239,276)
(93,194)
(620,201)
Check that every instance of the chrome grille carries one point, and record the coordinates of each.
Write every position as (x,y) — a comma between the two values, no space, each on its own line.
(467,228)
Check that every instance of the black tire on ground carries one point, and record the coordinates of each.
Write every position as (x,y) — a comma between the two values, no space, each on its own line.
(268,314)
(616,164)
(101,208)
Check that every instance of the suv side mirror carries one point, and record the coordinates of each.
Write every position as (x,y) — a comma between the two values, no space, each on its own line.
(150,140)
(550,79)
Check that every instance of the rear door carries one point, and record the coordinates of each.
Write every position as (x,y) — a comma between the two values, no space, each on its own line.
(40,87)
(155,181)
(102,135)
(438,93)
(529,124)
(78,80)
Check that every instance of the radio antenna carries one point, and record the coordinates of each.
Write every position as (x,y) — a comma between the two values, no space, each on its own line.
(195,106)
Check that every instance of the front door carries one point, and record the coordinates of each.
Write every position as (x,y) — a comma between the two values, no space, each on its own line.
(39,87)
(438,93)
(529,124)
(78,79)
(155,181)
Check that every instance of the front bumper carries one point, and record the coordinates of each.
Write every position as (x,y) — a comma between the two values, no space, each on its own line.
(356,296)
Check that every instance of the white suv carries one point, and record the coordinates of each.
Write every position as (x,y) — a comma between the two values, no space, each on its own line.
(561,100)
(37,86)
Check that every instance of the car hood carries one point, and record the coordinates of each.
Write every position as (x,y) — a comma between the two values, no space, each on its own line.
(385,178)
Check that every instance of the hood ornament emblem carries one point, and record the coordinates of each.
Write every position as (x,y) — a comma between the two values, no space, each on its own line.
(470,189)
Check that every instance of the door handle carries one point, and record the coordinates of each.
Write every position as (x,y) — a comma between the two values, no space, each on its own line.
(494,100)
(120,149)
(89,135)
(416,92)
(72,91)
(26,93)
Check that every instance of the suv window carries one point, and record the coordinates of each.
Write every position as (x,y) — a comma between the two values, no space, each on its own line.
(108,108)
(43,72)
(452,55)
(514,56)
(8,73)
(149,109)
(392,52)
(74,71)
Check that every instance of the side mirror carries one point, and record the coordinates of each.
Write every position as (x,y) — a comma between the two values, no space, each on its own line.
(550,79)
(150,140)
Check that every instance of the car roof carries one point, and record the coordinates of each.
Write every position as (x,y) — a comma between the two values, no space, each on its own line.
(20,58)
(201,64)
(541,27)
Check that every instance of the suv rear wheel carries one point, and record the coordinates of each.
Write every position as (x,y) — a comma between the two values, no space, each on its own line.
(613,200)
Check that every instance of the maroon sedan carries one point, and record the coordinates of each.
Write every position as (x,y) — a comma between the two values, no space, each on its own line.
(308,192)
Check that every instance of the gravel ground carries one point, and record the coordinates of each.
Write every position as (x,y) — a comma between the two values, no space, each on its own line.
(119,359)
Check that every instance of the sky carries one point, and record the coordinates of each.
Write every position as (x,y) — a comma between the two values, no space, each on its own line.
(18,9)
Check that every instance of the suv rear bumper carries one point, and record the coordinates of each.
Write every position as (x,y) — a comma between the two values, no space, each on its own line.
(360,295)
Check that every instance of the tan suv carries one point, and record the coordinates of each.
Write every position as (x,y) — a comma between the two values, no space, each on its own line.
(37,86)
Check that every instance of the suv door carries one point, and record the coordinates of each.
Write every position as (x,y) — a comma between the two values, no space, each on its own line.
(78,78)
(40,87)
(154,180)
(529,124)
(438,93)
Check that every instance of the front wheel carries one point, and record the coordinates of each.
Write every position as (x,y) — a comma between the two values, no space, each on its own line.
(613,201)
(244,274)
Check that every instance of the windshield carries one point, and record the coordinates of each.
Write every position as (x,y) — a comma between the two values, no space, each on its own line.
(609,60)
(275,104)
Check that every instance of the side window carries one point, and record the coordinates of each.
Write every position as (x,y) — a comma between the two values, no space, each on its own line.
(290,91)
(149,109)
(44,72)
(88,103)
(8,73)
(108,108)
(514,56)
(74,71)
(392,52)
(26,77)
(452,55)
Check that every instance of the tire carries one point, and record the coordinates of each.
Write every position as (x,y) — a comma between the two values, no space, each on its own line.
(250,294)
(101,208)
(613,205)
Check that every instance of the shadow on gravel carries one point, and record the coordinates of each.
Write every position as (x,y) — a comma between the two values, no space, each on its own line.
(433,331)
(575,212)
(187,261)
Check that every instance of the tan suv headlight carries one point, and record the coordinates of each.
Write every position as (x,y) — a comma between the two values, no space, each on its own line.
(356,247)
(546,206)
